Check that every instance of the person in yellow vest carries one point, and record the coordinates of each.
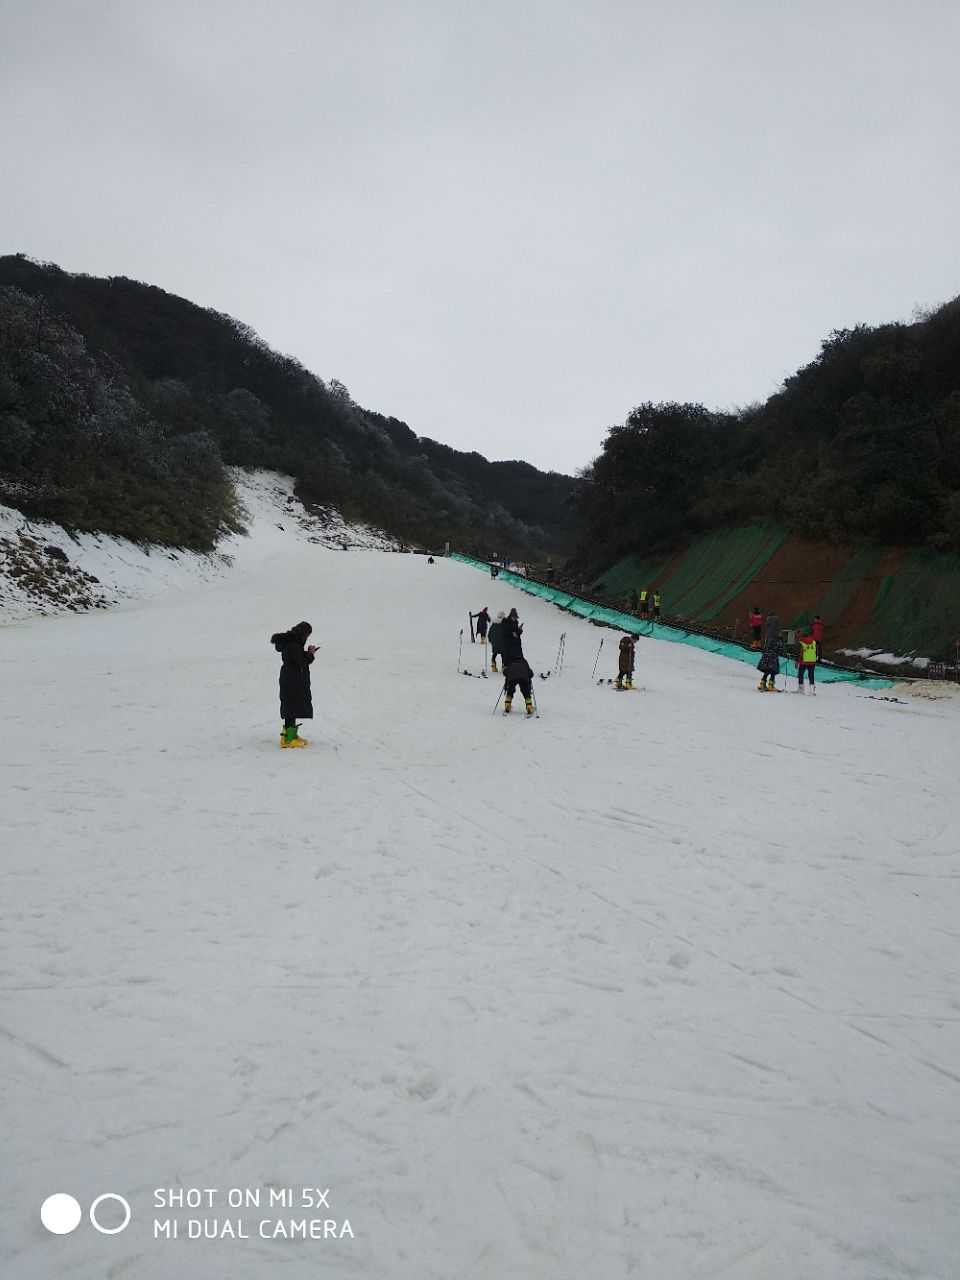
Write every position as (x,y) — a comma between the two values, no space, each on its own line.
(807,659)
(656,605)
(644,602)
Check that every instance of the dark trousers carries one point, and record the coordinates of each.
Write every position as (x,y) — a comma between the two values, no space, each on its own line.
(809,668)
(526,688)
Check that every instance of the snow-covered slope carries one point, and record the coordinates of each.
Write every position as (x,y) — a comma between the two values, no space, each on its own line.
(661,984)
(44,569)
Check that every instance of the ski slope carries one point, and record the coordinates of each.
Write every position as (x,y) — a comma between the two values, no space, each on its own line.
(658,985)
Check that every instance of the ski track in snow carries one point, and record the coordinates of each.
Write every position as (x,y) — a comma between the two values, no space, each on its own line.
(656,987)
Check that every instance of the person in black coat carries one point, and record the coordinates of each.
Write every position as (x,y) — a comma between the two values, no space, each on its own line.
(518,672)
(510,645)
(296,701)
(769,664)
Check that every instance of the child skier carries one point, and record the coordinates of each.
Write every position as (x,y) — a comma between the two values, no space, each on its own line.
(518,672)
(295,696)
(769,664)
(807,660)
(483,622)
(627,650)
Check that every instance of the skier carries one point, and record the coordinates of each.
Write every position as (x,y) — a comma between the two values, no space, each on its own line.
(756,626)
(656,606)
(495,638)
(511,646)
(295,697)
(769,664)
(634,601)
(807,660)
(625,675)
(483,621)
(644,602)
(518,672)
(817,632)
(494,569)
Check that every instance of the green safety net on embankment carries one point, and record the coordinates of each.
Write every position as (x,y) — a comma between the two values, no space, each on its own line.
(838,595)
(915,610)
(703,580)
(659,630)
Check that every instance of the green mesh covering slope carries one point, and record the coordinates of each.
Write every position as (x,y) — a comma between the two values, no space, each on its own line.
(629,574)
(839,594)
(658,630)
(717,568)
(917,608)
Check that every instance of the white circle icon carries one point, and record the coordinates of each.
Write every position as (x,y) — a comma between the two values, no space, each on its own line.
(110,1231)
(60,1214)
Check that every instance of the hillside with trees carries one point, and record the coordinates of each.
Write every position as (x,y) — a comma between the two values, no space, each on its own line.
(862,445)
(121,406)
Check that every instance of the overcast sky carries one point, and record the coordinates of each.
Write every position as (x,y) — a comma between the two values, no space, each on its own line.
(505,223)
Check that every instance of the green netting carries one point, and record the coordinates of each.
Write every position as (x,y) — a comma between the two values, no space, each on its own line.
(838,595)
(916,609)
(717,568)
(629,574)
(659,630)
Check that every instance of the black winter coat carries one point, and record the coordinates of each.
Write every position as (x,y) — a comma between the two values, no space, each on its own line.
(510,645)
(518,672)
(296,702)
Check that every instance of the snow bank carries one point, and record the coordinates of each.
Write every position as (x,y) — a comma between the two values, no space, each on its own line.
(44,569)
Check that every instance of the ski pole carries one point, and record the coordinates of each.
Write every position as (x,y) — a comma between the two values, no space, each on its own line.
(557,666)
(497,703)
(594,671)
(460,654)
(536,709)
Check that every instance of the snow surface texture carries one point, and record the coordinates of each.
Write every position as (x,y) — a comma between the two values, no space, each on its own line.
(662,984)
(44,569)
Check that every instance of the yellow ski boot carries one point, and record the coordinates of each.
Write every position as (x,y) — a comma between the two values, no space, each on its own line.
(507,704)
(291,737)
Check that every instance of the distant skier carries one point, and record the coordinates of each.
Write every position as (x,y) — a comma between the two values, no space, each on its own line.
(807,660)
(483,622)
(756,627)
(494,570)
(656,606)
(495,639)
(295,697)
(816,631)
(645,602)
(518,672)
(769,664)
(627,650)
(634,601)
(510,638)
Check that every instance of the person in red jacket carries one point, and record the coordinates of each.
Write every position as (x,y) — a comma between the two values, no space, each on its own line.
(756,627)
(816,631)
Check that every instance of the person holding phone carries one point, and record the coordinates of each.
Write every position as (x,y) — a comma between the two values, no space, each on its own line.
(296,700)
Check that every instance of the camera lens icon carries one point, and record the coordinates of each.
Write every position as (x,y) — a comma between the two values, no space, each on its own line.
(61,1214)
